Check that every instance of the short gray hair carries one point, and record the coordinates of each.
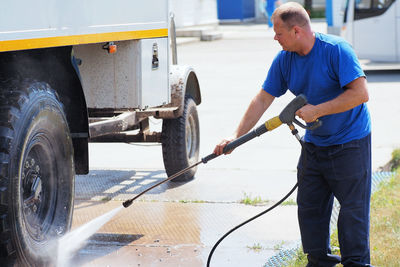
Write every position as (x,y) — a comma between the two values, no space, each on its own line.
(292,14)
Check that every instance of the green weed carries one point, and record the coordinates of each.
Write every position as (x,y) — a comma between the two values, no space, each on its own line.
(249,200)
(256,247)
(395,162)
(289,202)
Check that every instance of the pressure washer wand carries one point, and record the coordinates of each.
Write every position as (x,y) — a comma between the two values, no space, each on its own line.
(287,116)
(129,201)
(267,126)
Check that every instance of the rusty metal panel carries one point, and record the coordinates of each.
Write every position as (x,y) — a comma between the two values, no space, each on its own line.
(109,80)
(126,79)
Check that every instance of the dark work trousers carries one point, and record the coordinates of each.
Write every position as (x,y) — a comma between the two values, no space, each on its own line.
(343,171)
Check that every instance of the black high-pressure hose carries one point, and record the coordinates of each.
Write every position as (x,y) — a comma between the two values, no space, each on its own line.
(286,116)
(247,221)
(295,133)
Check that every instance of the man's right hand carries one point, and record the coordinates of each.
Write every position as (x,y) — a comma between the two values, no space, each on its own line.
(218,150)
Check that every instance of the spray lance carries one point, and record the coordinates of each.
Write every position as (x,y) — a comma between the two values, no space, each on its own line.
(287,116)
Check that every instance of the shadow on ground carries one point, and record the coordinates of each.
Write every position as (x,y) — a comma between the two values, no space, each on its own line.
(105,185)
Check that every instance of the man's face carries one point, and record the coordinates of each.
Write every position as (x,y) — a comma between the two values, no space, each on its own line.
(283,35)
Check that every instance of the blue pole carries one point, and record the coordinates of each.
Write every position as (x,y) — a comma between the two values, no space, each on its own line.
(328,12)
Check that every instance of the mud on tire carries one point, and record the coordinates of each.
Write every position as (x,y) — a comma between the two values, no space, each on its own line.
(36,172)
(180,142)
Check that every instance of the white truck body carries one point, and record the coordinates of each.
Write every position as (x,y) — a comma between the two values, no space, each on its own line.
(50,23)
(122,80)
(373,28)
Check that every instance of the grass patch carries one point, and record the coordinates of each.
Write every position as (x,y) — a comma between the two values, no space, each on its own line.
(335,243)
(300,260)
(192,201)
(256,247)
(385,228)
(279,246)
(289,202)
(384,231)
(249,200)
(395,161)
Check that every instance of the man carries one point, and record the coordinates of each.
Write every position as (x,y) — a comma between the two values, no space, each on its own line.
(336,157)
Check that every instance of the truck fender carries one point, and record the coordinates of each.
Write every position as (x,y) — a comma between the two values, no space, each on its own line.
(183,81)
(57,67)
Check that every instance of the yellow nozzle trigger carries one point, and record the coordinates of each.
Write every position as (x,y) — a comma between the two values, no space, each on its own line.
(273,123)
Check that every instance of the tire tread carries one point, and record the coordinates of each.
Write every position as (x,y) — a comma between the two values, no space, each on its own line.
(14,94)
(174,144)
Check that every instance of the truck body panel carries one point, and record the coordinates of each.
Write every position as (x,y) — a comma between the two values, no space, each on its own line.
(125,79)
(49,23)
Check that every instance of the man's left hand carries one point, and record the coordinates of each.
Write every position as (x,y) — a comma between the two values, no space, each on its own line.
(308,113)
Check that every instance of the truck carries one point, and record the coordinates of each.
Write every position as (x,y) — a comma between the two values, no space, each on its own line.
(373,29)
(74,72)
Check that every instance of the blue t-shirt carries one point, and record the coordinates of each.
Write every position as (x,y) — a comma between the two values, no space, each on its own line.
(322,75)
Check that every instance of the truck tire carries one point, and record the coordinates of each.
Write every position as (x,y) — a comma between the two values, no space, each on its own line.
(181,141)
(36,173)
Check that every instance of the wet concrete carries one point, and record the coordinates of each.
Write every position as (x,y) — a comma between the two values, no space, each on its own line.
(209,185)
(177,224)
(181,234)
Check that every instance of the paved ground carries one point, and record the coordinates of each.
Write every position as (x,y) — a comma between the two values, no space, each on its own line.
(178,223)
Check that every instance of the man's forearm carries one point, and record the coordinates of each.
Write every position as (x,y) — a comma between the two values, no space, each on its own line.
(354,95)
(256,109)
(346,101)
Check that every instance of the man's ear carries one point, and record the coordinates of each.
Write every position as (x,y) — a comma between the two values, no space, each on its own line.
(297,30)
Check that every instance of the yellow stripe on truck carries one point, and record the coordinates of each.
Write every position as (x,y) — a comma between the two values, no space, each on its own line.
(13,45)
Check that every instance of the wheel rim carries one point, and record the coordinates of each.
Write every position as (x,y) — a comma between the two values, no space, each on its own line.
(38,188)
(191,138)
